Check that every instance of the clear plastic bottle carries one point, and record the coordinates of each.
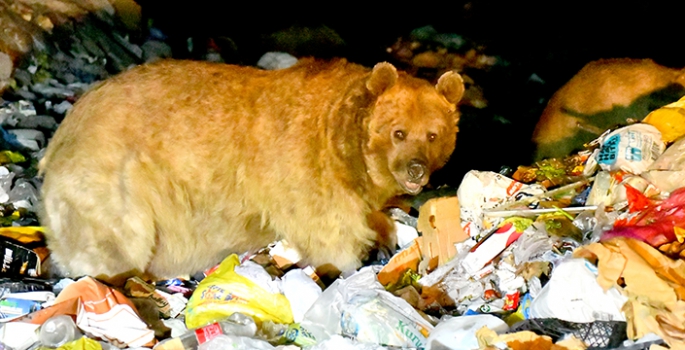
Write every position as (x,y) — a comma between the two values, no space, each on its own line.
(237,324)
(57,331)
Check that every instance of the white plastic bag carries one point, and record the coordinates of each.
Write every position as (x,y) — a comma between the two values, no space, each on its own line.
(301,291)
(459,333)
(573,295)
(360,307)
(224,341)
(322,320)
(337,342)
(382,318)
(632,148)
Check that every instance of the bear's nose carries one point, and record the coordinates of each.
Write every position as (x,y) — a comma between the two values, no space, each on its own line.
(416,169)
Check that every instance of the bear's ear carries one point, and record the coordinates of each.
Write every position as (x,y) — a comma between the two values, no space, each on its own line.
(451,85)
(383,77)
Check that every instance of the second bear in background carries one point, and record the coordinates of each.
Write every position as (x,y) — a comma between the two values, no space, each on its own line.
(604,94)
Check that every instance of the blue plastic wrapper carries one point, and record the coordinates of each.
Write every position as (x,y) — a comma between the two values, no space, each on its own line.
(12,307)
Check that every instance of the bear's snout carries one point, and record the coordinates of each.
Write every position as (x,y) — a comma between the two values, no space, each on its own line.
(416,169)
(412,175)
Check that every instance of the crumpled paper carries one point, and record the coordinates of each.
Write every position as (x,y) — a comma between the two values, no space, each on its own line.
(668,171)
(482,190)
(653,283)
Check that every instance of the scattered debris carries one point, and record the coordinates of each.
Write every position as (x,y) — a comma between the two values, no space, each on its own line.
(584,250)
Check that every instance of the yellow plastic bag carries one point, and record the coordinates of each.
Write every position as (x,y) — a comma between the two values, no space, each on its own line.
(82,343)
(225,292)
(669,119)
(11,157)
(24,234)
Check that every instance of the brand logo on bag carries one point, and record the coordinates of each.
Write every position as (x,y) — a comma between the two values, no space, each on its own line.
(218,293)
(607,154)
(407,331)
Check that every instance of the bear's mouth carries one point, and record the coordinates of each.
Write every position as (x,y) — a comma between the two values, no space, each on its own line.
(411,187)
(412,176)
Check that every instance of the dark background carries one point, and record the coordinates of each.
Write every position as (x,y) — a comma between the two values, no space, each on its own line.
(550,39)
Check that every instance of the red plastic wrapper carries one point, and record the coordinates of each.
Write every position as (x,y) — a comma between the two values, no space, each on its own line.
(656,221)
(511,301)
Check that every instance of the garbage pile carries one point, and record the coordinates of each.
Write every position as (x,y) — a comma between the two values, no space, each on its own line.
(576,253)
(581,252)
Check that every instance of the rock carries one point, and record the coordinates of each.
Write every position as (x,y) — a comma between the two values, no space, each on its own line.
(424,33)
(37,121)
(132,48)
(29,138)
(11,112)
(22,77)
(62,107)
(154,50)
(23,194)
(276,60)
(52,90)
(25,94)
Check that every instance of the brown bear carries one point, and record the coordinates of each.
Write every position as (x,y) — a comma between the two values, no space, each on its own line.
(604,94)
(169,167)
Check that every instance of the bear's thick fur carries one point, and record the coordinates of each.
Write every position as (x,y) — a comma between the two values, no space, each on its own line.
(169,167)
(602,95)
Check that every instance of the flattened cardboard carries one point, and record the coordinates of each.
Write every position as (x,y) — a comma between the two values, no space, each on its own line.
(440,226)
(408,258)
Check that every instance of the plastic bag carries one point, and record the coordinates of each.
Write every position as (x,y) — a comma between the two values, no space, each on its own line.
(632,148)
(301,292)
(457,333)
(337,342)
(359,307)
(669,119)
(83,343)
(482,190)
(225,341)
(673,158)
(656,222)
(382,318)
(668,172)
(225,292)
(573,295)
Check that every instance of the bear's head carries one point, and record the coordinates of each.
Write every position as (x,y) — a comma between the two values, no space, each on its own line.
(411,129)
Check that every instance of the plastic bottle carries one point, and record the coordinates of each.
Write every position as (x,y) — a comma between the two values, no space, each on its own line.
(57,331)
(237,324)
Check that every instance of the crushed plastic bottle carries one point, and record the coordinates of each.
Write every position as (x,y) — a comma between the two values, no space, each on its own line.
(58,330)
(237,325)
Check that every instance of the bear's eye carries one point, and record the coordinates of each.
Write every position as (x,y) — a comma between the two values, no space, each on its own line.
(432,136)
(399,134)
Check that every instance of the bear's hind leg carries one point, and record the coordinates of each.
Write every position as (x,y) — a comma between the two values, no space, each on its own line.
(93,227)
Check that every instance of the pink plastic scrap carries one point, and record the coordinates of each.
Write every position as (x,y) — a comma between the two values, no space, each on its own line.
(656,221)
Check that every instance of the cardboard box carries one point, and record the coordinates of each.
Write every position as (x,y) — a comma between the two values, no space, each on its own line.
(440,226)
